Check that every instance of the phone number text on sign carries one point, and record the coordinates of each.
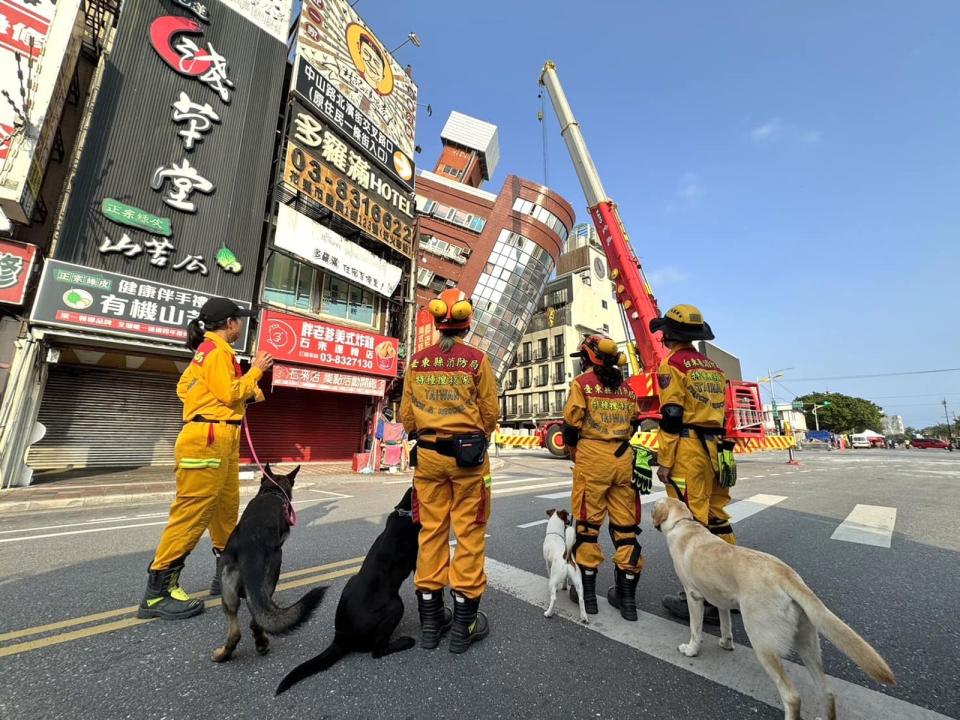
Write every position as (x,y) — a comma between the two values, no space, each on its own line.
(334,191)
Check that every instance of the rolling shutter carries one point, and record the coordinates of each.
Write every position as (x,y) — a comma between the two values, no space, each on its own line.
(295,425)
(107,418)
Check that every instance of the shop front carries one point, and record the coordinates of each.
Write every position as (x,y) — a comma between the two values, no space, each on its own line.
(324,389)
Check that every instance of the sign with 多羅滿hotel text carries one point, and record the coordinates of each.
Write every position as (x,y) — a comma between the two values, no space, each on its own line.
(83,298)
(321,246)
(383,212)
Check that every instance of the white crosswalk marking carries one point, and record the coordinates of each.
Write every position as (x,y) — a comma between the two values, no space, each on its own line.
(739,671)
(751,506)
(868,525)
(521,488)
(533,524)
(555,496)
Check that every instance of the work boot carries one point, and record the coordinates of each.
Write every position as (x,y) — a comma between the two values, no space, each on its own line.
(215,583)
(435,617)
(676,605)
(588,577)
(623,595)
(469,624)
(165,598)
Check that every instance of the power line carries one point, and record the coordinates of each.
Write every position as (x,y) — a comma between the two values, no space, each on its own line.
(876,375)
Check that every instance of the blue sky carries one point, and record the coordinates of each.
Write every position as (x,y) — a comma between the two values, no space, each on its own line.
(792,168)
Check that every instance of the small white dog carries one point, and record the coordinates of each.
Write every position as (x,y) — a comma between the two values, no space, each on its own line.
(561,569)
(779,611)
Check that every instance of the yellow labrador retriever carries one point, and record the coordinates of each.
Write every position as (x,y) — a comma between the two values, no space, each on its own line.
(780,613)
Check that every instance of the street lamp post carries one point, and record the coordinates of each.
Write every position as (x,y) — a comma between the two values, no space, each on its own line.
(771,377)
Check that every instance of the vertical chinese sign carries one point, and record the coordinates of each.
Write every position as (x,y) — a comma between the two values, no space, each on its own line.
(16,266)
(172,187)
(39,46)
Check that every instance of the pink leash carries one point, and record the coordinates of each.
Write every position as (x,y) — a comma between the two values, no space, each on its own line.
(291,514)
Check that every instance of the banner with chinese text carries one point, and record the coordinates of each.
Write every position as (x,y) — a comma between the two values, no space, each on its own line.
(82,298)
(321,246)
(290,338)
(16,264)
(324,380)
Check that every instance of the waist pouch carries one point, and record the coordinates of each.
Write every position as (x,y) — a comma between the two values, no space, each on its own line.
(727,471)
(468,450)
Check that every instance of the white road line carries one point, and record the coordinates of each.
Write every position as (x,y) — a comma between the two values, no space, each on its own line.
(118,527)
(738,671)
(497,482)
(408,481)
(751,506)
(534,523)
(333,495)
(868,525)
(523,488)
(555,496)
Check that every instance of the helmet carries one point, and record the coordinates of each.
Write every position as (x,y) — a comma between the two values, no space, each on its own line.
(451,310)
(600,350)
(684,323)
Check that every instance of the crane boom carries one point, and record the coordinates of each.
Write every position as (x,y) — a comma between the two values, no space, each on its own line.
(743,411)
(633,292)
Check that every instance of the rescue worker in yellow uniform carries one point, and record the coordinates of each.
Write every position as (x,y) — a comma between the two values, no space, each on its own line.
(692,397)
(214,393)
(599,419)
(450,403)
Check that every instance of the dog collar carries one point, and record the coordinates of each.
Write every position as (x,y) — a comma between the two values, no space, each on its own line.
(557,534)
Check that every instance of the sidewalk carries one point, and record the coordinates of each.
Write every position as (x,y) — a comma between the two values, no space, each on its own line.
(90,487)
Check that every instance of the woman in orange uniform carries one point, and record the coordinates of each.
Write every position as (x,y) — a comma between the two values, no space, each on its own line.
(215,394)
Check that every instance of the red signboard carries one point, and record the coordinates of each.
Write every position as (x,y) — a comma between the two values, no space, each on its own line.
(314,379)
(311,342)
(16,263)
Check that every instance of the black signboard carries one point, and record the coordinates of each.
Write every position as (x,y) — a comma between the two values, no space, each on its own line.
(323,97)
(173,180)
(87,299)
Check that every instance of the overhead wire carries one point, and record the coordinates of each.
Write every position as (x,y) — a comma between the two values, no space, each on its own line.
(876,375)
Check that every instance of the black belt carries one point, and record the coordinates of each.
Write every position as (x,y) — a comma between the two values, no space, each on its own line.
(702,433)
(201,419)
(444,447)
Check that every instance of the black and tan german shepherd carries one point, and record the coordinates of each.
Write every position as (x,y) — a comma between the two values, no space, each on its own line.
(370,607)
(251,566)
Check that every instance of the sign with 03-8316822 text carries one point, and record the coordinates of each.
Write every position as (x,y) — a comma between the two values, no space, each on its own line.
(82,298)
(364,208)
(290,338)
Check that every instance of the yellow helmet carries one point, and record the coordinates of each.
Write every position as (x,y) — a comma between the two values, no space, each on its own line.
(683,323)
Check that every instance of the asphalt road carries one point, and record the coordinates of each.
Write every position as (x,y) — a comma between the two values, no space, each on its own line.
(71,647)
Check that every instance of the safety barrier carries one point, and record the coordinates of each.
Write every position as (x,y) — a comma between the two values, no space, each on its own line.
(518,441)
(770,442)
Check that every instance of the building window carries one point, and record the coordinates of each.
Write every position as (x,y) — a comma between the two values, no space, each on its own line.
(452,215)
(526,378)
(526,404)
(446,250)
(526,352)
(603,304)
(606,328)
(559,372)
(513,378)
(560,399)
(513,404)
(544,402)
(558,345)
(542,215)
(303,287)
(544,375)
(290,283)
(424,276)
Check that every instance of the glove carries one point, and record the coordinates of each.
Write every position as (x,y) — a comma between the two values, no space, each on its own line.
(642,472)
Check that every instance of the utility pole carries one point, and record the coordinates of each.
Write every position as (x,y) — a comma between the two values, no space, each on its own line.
(946,416)
(773,404)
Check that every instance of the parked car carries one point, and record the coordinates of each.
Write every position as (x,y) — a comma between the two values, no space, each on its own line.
(933,443)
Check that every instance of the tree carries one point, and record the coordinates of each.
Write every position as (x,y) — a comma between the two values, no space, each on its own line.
(844,415)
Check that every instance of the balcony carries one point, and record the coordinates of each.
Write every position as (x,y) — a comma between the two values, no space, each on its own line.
(540,355)
(543,380)
(557,352)
(525,359)
(525,383)
(541,320)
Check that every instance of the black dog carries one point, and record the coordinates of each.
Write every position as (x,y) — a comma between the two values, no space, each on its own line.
(251,566)
(370,607)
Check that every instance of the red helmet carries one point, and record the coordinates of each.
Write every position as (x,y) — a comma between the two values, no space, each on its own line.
(452,310)
(600,350)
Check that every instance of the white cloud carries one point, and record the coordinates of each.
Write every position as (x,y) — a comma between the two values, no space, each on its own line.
(689,189)
(668,275)
(770,130)
(775,130)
